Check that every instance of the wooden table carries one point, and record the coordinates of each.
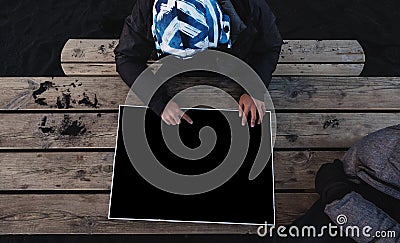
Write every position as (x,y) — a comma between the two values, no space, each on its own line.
(57,135)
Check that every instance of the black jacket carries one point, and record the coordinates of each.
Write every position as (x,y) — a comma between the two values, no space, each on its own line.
(259,44)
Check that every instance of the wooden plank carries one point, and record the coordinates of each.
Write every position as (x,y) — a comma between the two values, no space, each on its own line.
(57,130)
(369,93)
(290,206)
(87,214)
(297,169)
(93,170)
(45,93)
(340,70)
(89,69)
(82,130)
(282,69)
(56,171)
(89,50)
(329,51)
(311,93)
(334,130)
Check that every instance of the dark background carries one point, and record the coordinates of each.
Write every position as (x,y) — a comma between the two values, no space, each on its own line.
(33,32)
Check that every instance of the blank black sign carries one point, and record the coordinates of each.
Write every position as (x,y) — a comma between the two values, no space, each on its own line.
(238,201)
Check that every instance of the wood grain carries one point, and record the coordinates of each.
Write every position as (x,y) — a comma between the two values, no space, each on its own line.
(339,70)
(57,130)
(83,57)
(282,69)
(334,130)
(81,171)
(288,93)
(84,130)
(93,170)
(89,50)
(330,51)
(297,169)
(62,93)
(56,171)
(87,214)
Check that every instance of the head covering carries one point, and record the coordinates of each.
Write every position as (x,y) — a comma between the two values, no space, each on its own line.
(185,27)
(375,159)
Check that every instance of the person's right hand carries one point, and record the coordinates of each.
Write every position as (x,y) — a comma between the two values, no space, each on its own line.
(172,114)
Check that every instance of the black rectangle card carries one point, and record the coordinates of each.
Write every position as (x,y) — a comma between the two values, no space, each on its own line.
(198,172)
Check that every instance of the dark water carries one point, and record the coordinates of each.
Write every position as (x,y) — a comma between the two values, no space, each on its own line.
(32,33)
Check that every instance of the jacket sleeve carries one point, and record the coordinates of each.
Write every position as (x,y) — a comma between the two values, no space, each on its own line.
(354,210)
(266,47)
(134,49)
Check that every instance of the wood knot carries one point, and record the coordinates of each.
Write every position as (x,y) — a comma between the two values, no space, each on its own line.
(291,138)
(294,94)
(88,221)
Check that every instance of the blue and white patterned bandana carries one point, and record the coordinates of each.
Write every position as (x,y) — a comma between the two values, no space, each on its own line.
(185,27)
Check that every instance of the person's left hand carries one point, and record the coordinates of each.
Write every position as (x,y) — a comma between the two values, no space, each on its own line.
(248,104)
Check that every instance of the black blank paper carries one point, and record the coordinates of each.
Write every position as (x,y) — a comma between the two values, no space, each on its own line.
(238,201)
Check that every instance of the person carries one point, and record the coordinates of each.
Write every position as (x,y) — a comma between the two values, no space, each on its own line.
(362,189)
(247,30)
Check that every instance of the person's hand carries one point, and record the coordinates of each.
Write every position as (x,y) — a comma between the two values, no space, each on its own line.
(248,104)
(172,114)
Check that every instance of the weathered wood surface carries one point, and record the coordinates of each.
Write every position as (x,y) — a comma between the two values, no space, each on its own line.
(297,169)
(89,50)
(82,130)
(57,130)
(81,171)
(47,93)
(288,93)
(282,69)
(87,214)
(339,70)
(330,51)
(56,171)
(83,57)
(93,170)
